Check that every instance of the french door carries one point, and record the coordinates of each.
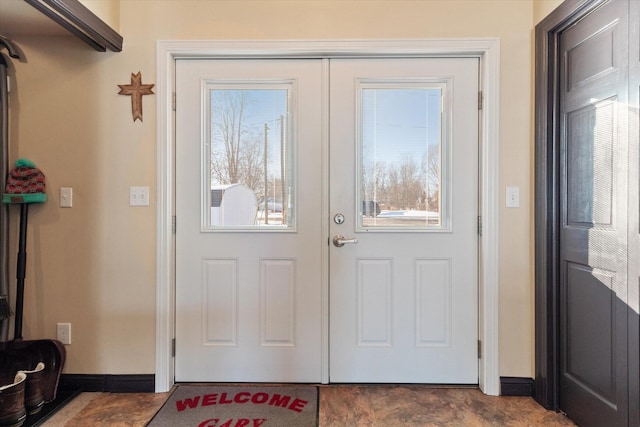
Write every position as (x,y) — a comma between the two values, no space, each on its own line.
(248,288)
(404,296)
(400,186)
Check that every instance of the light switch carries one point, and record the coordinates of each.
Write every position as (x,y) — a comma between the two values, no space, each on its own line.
(66,197)
(512,197)
(139,196)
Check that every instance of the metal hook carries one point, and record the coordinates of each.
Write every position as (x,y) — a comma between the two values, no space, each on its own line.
(14,51)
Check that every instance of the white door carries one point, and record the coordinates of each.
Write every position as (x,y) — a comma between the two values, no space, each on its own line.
(403,181)
(404,175)
(248,287)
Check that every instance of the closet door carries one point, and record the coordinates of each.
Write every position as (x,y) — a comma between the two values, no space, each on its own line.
(595,288)
(634,213)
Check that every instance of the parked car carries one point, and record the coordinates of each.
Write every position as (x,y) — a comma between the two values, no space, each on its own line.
(370,208)
(272,205)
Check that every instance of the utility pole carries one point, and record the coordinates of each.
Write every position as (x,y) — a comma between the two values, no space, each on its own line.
(282,173)
(266,188)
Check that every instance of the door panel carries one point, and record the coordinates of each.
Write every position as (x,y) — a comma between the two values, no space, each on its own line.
(403,297)
(593,206)
(248,290)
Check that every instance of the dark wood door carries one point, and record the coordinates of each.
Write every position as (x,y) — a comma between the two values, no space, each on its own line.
(594,206)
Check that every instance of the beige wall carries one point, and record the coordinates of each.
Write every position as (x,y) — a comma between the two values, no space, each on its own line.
(94,265)
(542,8)
(107,10)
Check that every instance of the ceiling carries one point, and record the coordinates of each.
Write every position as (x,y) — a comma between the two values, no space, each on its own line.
(18,18)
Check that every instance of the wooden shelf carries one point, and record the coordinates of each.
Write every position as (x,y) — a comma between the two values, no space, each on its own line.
(76,18)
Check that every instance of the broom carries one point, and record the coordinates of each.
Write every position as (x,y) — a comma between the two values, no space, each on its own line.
(5,308)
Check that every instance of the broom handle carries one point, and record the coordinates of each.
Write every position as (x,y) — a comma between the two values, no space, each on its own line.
(4,209)
(20,270)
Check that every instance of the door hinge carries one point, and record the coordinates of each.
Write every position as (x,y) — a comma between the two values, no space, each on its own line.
(479,349)
(173,347)
(173,101)
(479,226)
(173,224)
(480,100)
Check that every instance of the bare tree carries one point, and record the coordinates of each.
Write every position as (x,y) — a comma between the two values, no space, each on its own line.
(251,164)
(236,154)
(411,183)
(394,188)
(432,167)
(380,182)
(373,181)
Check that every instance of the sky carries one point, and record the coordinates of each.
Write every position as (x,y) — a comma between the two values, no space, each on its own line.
(262,106)
(400,123)
(397,123)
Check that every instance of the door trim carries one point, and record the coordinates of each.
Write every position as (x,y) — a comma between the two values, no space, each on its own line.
(486,49)
(547,184)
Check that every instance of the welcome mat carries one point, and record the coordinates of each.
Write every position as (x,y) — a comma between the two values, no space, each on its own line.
(239,406)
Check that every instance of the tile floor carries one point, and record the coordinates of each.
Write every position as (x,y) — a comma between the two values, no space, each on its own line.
(341,406)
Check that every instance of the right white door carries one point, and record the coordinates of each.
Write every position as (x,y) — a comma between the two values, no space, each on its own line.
(404,209)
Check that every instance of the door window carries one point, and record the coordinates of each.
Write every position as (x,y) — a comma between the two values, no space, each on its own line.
(403,156)
(249,181)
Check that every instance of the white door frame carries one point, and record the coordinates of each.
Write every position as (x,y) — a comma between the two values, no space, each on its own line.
(486,49)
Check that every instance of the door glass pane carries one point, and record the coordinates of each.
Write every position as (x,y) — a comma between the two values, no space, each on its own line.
(401,153)
(249,168)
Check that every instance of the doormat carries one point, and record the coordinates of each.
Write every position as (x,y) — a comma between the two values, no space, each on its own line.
(239,406)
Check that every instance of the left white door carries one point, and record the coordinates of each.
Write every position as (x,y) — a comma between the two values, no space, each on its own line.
(248,291)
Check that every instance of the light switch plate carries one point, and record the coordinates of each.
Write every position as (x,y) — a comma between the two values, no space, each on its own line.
(512,197)
(66,197)
(139,196)
(63,333)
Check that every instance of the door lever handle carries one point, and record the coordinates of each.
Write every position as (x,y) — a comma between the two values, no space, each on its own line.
(339,241)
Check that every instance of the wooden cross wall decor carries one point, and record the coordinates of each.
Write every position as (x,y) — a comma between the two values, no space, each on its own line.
(136,89)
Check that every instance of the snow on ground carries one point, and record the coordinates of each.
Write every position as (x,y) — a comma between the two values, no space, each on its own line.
(409,213)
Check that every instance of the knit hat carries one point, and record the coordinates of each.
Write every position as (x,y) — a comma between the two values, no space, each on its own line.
(25,184)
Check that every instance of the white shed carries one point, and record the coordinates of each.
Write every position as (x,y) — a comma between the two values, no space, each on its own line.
(233,204)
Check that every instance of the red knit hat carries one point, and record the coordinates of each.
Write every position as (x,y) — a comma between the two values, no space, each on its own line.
(25,184)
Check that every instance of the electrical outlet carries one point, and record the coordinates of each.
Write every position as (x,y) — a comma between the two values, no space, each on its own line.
(63,332)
